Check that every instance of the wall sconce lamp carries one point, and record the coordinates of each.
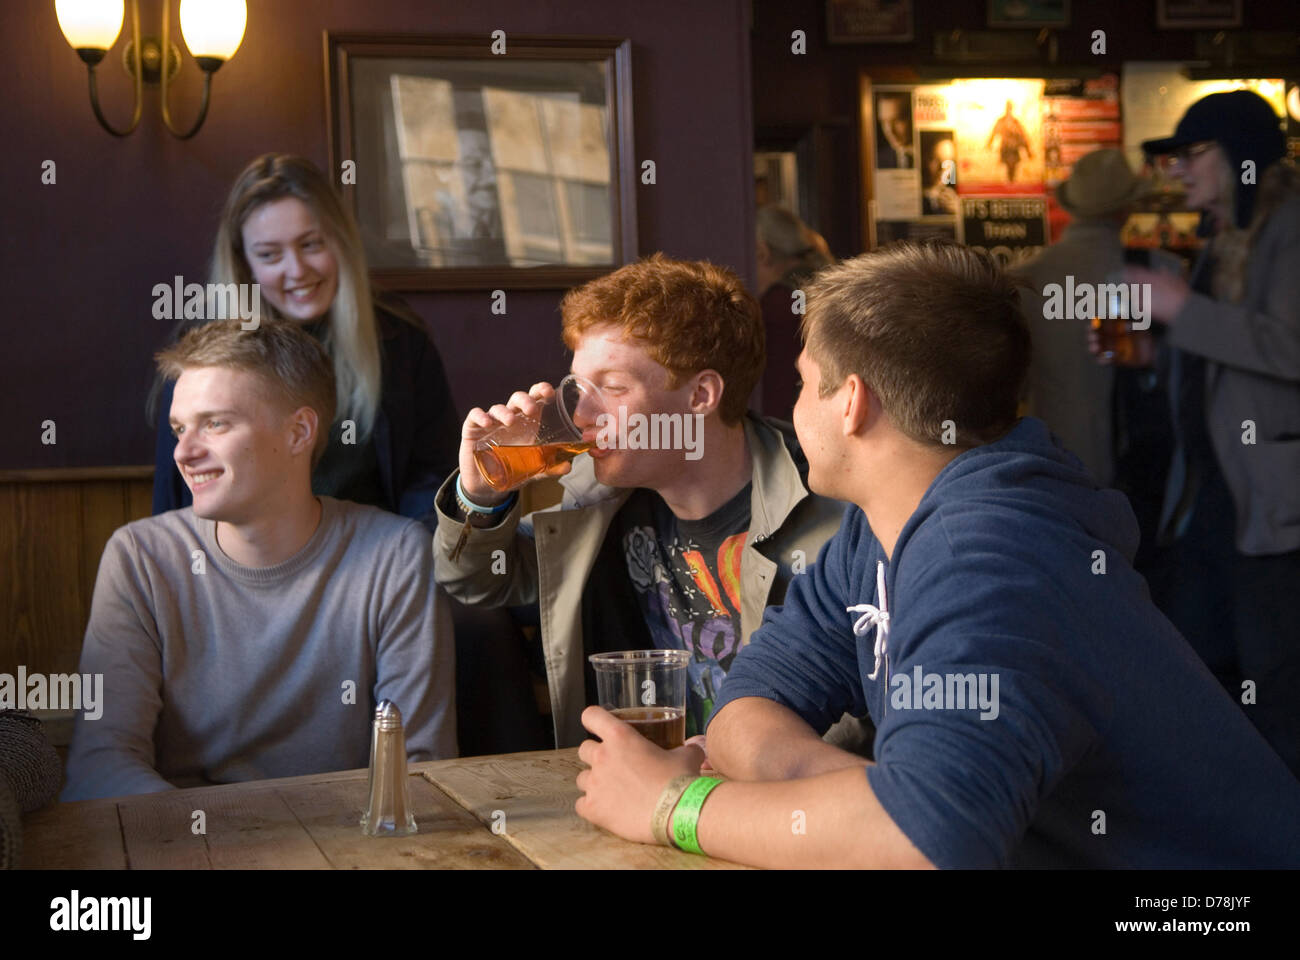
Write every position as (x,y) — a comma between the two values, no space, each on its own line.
(212,29)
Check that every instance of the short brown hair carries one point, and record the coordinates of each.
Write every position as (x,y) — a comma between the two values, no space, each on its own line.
(690,314)
(292,365)
(933,328)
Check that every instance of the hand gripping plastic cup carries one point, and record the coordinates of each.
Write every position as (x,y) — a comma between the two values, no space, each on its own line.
(646,688)
(512,455)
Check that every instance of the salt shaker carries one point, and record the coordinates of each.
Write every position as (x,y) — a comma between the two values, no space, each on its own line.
(389,810)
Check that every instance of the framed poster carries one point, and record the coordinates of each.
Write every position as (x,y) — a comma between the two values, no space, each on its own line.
(1029,13)
(869,21)
(1010,228)
(479,171)
(1197,14)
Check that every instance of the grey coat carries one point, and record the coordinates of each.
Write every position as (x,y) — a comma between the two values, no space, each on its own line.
(1067,388)
(1252,384)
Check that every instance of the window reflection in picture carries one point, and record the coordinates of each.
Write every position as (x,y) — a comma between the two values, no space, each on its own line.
(471,163)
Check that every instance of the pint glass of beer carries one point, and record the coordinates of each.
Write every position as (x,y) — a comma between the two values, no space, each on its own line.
(512,455)
(1118,342)
(646,688)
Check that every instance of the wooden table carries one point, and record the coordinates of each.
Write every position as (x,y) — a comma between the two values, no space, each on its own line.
(513,811)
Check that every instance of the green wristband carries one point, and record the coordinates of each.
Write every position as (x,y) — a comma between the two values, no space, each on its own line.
(687,815)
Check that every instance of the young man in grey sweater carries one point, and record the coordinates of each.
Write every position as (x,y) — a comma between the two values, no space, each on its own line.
(250,635)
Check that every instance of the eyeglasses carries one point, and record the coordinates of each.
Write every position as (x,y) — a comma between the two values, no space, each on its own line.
(1184,155)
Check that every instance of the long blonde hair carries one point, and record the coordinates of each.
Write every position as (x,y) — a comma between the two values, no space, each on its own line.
(351,337)
(1232,245)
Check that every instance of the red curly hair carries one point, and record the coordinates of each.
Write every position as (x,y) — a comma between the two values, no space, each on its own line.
(689,314)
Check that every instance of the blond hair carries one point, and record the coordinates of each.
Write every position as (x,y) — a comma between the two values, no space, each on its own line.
(294,369)
(1232,244)
(350,335)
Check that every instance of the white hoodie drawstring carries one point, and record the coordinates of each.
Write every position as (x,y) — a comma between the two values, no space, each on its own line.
(877,617)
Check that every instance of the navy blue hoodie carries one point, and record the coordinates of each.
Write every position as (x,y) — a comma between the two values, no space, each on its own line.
(1101,738)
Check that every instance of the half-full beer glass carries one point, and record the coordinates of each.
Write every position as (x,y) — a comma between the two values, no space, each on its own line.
(646,688)
(512,455)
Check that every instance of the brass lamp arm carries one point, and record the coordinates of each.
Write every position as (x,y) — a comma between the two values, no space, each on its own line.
(92,58)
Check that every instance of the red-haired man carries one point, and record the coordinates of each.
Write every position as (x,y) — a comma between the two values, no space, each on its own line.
(678,548)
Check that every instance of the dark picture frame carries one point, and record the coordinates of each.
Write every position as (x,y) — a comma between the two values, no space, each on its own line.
(475,170)
(870,21)
(1197,14)
(1028,13)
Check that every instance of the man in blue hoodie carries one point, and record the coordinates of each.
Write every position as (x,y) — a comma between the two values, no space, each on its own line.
(1033,708)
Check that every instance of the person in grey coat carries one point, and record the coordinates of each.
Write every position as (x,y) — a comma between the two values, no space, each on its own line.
(1232,505)
(1066,388)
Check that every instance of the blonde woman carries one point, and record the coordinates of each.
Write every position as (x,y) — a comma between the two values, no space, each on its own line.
(395,435)
(1227,571)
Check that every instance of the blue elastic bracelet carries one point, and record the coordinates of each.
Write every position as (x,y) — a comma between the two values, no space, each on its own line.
(465,501)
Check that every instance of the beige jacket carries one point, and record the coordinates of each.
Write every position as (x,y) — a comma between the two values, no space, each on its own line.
(547,558)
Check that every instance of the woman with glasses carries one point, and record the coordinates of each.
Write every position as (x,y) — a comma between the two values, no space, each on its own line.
(1227,562)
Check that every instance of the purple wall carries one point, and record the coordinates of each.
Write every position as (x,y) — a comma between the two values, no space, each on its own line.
(79,258)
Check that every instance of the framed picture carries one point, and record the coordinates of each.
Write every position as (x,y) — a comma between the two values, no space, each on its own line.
(1197,14)
(481,170)
(869,21)
(1029,13)
(776,179)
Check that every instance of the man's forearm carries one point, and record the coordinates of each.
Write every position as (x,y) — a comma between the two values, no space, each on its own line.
(94,772)
(758,739)
(830,821)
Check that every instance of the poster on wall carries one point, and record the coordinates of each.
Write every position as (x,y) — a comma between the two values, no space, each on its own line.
(1011,228)
(897,183)
(936,151)
(999,133)
(1079,116)
(887,231)
(914,164)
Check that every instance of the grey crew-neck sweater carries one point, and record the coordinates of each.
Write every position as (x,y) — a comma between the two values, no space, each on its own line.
(243,673)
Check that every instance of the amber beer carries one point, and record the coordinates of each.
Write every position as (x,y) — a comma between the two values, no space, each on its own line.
(1118,341)
(506,467)
(662,726)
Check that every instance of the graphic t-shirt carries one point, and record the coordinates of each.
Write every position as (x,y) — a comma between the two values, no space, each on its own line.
(686,575)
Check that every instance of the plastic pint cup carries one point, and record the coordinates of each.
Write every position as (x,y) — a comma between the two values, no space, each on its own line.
(646,688)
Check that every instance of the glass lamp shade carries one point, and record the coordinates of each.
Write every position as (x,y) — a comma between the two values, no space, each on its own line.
(91,24)
(213,28)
